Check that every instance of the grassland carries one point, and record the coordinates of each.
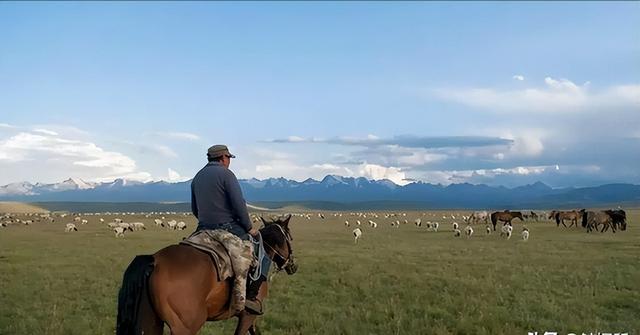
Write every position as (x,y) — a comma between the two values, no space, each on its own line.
(20,207)
(403,280)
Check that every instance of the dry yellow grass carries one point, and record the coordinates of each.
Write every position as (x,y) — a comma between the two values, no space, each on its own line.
(20,207)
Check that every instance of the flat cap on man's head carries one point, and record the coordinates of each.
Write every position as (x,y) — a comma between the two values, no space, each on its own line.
(219,150)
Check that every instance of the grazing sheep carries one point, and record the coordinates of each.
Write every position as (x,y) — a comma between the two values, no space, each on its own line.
(418,222)
(455,226)
(181,225)
(358,222)
(506,231)
(346,223)
(85,221)
(117,220)
(70,227)
(435,226)
(125,226)
(119,231)
(138,226)
(101,220)
(456,232)
(113,224)
(172,224)
(488,230)
(158,222)
(357,233)
(525,234)
(468,231)
(373,224)
(77,219)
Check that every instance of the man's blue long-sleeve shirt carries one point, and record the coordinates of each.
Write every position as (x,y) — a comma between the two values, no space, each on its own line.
(216,197)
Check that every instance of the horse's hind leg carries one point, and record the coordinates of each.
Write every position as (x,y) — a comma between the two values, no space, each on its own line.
(149,322)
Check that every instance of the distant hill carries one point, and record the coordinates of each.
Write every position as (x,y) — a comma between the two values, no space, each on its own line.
(333,192)
(18,207)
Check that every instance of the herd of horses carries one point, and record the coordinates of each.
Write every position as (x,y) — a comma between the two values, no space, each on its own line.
(609,219)
(591,220)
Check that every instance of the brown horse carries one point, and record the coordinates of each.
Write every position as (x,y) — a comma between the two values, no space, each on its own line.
(505,217)
(574,216)
(179,286)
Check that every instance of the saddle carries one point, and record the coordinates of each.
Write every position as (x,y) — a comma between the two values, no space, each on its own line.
(231,256)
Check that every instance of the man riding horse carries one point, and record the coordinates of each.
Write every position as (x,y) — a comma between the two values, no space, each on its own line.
(217,202)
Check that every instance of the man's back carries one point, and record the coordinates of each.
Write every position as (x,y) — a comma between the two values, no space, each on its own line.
(216,197)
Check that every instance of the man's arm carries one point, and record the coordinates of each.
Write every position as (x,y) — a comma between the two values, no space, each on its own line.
(194,206)
(239,206)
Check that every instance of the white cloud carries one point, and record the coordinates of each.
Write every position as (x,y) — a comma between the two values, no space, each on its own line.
(182,136)
(173,176)
(163,150)
(46,157)
(377,172)
(8,126)
(557,96)
(518,77)
(45,131)
(175,135)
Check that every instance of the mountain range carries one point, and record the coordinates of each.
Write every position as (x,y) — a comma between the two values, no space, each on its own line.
(348,191)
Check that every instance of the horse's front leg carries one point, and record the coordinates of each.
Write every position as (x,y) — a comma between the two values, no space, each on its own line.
(246,322)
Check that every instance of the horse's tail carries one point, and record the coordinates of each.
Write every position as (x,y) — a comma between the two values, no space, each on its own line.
(494,219)
(134,285)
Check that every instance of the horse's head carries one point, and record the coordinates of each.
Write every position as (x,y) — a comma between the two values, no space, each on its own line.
(277,241)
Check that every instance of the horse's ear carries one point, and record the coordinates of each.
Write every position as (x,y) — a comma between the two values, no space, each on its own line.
(263,221)
(285,222)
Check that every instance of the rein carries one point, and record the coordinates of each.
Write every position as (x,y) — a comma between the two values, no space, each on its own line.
(276,253)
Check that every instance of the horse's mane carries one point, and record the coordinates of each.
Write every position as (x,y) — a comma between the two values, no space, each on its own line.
(272,233)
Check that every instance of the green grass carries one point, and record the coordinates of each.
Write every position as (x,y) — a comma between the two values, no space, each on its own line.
(394,281)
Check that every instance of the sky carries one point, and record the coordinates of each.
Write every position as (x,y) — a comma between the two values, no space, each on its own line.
(496,92)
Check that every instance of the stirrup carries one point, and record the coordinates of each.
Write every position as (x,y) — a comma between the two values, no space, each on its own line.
(253,307)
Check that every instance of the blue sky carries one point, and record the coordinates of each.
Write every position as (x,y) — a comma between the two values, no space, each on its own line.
(498,93)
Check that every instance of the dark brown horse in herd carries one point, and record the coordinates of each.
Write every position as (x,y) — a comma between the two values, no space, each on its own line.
(179,286)
(505,216)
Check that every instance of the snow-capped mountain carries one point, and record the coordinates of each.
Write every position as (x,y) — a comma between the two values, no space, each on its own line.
(332,189)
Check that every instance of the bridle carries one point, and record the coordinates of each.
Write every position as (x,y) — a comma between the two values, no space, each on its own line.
(284,261)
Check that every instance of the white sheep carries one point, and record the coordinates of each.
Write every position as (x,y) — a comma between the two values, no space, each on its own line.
(357,233)
(172,224)
(138,226)
(125,226)
(455,226)
(456,232)
(358,222)
(468,231)
(77,219)
(488,230)
(117,220)
(525,234)
(373,224)
(158,222)
(435,226)
(346,223)
(181,225)
(418,222)
(85,221)
(119,231)
(506,230)
(70,227)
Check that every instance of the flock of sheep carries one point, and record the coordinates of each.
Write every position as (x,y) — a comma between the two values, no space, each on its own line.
(117,226)
(397,219)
